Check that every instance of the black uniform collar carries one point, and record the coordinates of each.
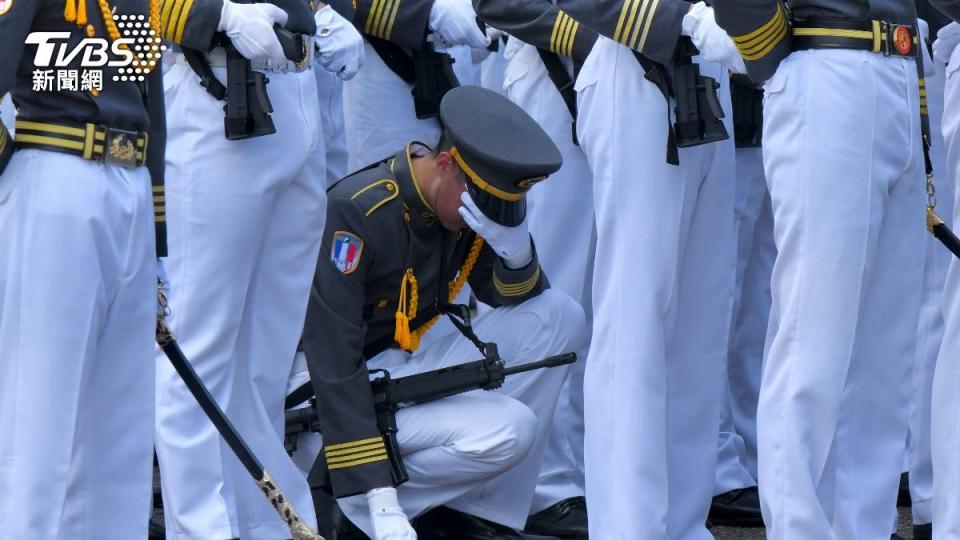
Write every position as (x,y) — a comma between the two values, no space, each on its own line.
(402,166)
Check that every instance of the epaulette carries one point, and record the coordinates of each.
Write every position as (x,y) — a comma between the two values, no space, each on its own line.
(374,195)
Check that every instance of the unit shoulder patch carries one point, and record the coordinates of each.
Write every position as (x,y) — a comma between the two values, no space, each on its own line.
(374,195)
(5,6)
(346,251)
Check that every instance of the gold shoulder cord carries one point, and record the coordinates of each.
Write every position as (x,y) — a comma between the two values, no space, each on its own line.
(75,11)
(407,311)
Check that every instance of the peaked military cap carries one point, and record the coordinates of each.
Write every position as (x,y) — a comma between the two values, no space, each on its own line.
(500,148)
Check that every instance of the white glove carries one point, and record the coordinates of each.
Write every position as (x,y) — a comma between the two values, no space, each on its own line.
(512,244)
(477,56)
(250,29)
(339,44)
(388,519)
(455,23)
(712,41)
(947,39)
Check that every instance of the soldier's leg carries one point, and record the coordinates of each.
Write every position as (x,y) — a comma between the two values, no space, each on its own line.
(733,471)
(219,199)
(944,423)
(831,219)
(748,334)
(931,328)
(378,114)
(77,304)
(561,222)
(275,309)
(116,415)
(700,324)
(875,406)
(330,91)
(451,446)
(550,323)
(643,208)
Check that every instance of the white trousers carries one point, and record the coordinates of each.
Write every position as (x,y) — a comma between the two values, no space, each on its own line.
(480,452)
(7,112)
(663,277)
(945,428)
(845,175)
(330,92)
(753,222)
(245,218)
(560,214)
(378,114)
(930,328)
(77,315)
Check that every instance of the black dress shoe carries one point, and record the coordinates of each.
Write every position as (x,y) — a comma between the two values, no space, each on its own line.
(896,536)
(447,524)
(923,532)
(566,520)
(903,495)
(737,508)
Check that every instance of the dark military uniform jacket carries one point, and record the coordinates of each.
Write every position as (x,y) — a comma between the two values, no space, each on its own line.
(760,28)
(650,27)
(379,226)
(120,105)
(540,23)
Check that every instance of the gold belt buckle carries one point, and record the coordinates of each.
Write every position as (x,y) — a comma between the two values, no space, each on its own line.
(899,40)
(120,147)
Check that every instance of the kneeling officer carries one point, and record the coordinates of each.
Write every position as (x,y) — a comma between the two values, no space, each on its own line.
(402,237)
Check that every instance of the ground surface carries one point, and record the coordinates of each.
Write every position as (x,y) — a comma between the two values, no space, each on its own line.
(726,533)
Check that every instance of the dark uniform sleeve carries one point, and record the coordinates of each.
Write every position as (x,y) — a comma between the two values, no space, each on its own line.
(333,339)
(539,23)
(651,27)
(403,22)
(760,31)
(496,285)
(191,23)
(15,24)
(950,8)
(156,149)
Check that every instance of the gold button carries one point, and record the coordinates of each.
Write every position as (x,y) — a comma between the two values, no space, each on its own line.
(406,216)
(383,303)
(390,187)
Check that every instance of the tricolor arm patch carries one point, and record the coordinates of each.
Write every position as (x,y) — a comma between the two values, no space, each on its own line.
(346,251)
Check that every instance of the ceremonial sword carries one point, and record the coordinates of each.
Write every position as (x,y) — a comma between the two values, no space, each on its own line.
(298,528)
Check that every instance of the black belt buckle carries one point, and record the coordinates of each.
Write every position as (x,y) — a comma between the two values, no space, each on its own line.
(900,40)
(120,147)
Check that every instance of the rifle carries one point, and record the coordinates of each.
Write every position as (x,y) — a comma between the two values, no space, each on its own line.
(393,394)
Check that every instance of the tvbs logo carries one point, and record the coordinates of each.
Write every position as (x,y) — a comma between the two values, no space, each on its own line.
(132,55)
(54,51)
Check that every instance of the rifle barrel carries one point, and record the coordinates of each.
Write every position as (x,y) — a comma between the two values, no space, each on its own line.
(549,362)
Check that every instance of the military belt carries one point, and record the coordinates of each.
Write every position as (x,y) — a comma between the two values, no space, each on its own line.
(88,141)
(888,39)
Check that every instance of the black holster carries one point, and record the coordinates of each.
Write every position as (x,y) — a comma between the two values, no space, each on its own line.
(248,108)
(698,112)
(747,112)
(433,78)
(430,73)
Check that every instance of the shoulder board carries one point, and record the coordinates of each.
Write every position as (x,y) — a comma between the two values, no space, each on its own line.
(374,195)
